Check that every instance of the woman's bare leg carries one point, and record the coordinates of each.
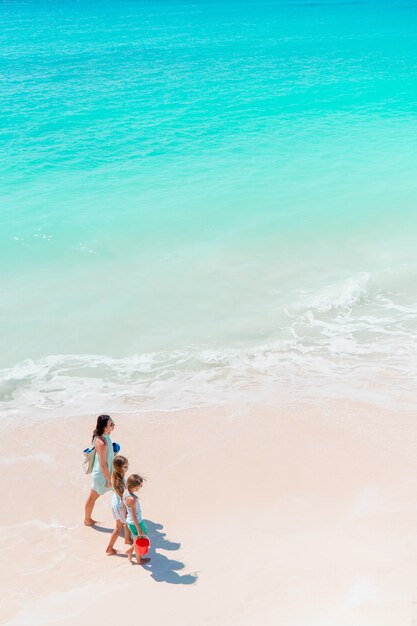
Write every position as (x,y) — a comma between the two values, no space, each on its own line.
(89,506)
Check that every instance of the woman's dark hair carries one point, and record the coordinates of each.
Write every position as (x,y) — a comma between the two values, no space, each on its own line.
(100,426)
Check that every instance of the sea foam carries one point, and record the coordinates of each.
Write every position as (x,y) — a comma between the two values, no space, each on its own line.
(352,340)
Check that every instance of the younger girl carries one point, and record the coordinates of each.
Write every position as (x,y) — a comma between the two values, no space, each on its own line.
(134,515)
(120,467)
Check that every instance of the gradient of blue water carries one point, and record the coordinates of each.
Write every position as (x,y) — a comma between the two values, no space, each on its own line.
(188,176)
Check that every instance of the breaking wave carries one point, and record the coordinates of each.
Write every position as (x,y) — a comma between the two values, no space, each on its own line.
(353,339)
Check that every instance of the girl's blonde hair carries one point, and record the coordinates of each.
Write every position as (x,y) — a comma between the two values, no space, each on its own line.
(133,481)
(117,476)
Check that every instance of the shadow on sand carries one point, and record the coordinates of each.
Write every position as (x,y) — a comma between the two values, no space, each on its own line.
(161,568)
(101,529)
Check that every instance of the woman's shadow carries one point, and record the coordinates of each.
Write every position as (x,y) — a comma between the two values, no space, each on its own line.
(161,568)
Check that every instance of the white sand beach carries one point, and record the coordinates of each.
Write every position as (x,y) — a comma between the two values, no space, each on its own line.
(296,517)
(208,231)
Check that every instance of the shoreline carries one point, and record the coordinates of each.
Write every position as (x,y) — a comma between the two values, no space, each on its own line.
(295,515)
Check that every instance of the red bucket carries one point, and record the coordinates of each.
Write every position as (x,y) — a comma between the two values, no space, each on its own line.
(143,544)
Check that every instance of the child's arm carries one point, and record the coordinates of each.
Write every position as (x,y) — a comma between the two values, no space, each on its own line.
(131,502)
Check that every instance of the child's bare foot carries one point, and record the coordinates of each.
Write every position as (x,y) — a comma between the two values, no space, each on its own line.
(129,555)
(128,542)
(143,561)
(111,551)
(90,522)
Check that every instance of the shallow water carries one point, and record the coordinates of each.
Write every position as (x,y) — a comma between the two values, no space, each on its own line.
(204,202)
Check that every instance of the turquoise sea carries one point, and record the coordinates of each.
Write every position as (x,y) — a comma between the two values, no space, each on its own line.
(207,202)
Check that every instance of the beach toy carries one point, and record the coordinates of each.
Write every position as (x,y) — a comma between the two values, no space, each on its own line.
(116,447)
(143,544)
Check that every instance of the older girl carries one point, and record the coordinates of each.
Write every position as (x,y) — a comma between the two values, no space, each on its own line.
(120,467)
(103,464)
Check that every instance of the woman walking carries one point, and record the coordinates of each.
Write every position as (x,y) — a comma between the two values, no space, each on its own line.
(103,464)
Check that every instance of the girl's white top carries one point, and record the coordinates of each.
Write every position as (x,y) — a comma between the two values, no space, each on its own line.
(129,518)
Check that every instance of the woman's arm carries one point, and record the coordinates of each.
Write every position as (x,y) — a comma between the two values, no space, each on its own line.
(102,453)
(131,503)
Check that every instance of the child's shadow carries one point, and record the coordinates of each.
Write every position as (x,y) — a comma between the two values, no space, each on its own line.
(161,568)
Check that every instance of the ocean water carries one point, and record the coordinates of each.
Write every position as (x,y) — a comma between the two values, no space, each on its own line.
(206,202)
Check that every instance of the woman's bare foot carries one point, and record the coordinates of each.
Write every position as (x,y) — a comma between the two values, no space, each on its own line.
(90,522)
(111,551)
